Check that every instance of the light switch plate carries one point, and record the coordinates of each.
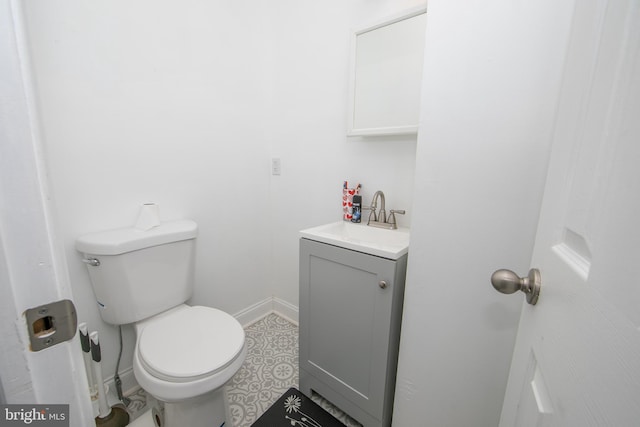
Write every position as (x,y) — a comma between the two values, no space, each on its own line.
(276,166)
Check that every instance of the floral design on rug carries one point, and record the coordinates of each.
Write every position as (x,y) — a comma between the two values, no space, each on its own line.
(293,405)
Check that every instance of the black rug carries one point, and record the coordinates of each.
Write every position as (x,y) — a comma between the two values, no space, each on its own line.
(295,409)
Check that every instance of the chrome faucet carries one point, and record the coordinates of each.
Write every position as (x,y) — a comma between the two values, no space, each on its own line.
(382,216)
(380,219)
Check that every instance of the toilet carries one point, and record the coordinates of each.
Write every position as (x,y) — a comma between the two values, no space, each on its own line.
(184,355)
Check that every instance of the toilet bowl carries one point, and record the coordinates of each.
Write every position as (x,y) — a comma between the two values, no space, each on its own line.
(187,351)
(184,355)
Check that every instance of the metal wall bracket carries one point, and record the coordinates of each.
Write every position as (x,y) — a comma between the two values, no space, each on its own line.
(51,324)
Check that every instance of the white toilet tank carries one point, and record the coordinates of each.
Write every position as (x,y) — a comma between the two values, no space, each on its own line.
(136,274)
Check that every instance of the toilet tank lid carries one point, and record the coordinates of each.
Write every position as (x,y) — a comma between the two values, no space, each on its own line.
(122,240)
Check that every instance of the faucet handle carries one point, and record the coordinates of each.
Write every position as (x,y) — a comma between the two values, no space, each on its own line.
(372,215)
(392,216)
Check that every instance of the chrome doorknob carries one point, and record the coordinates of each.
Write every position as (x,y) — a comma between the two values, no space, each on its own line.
(508,282)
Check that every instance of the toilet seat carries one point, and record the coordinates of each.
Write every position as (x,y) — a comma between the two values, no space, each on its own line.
(190,344)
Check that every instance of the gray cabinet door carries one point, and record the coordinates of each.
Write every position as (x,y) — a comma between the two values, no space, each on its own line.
(348,333)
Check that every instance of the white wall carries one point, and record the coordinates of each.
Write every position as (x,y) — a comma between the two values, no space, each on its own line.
(312,48)
(163,102)
(183,104)
(492,70)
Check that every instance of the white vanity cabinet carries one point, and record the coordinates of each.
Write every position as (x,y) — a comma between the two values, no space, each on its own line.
(350,316)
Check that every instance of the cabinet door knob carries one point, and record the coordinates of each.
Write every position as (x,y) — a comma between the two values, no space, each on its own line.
(382,284)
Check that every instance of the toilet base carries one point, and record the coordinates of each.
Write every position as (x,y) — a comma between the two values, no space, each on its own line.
(209,410)
(144,420)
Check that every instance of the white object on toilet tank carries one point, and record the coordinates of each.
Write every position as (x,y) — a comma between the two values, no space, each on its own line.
(140,273)
(149,217)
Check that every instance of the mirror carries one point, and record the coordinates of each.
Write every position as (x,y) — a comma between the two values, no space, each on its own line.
(386,75)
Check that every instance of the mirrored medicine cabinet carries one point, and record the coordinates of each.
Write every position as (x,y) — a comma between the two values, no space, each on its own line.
(386,75)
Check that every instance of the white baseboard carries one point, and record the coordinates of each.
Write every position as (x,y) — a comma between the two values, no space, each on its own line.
(267,306)
(254,312)
(286,310)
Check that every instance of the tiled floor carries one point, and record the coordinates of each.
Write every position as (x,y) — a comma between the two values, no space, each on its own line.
(271,367)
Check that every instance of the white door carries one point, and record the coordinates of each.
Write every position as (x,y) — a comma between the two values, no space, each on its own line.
(577,355)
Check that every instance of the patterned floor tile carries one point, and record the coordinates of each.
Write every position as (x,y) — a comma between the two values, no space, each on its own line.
(270,369)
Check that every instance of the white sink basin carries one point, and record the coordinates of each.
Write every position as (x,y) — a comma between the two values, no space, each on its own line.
(390,244)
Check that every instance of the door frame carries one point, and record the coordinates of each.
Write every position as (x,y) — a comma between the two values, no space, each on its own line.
(32,264)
